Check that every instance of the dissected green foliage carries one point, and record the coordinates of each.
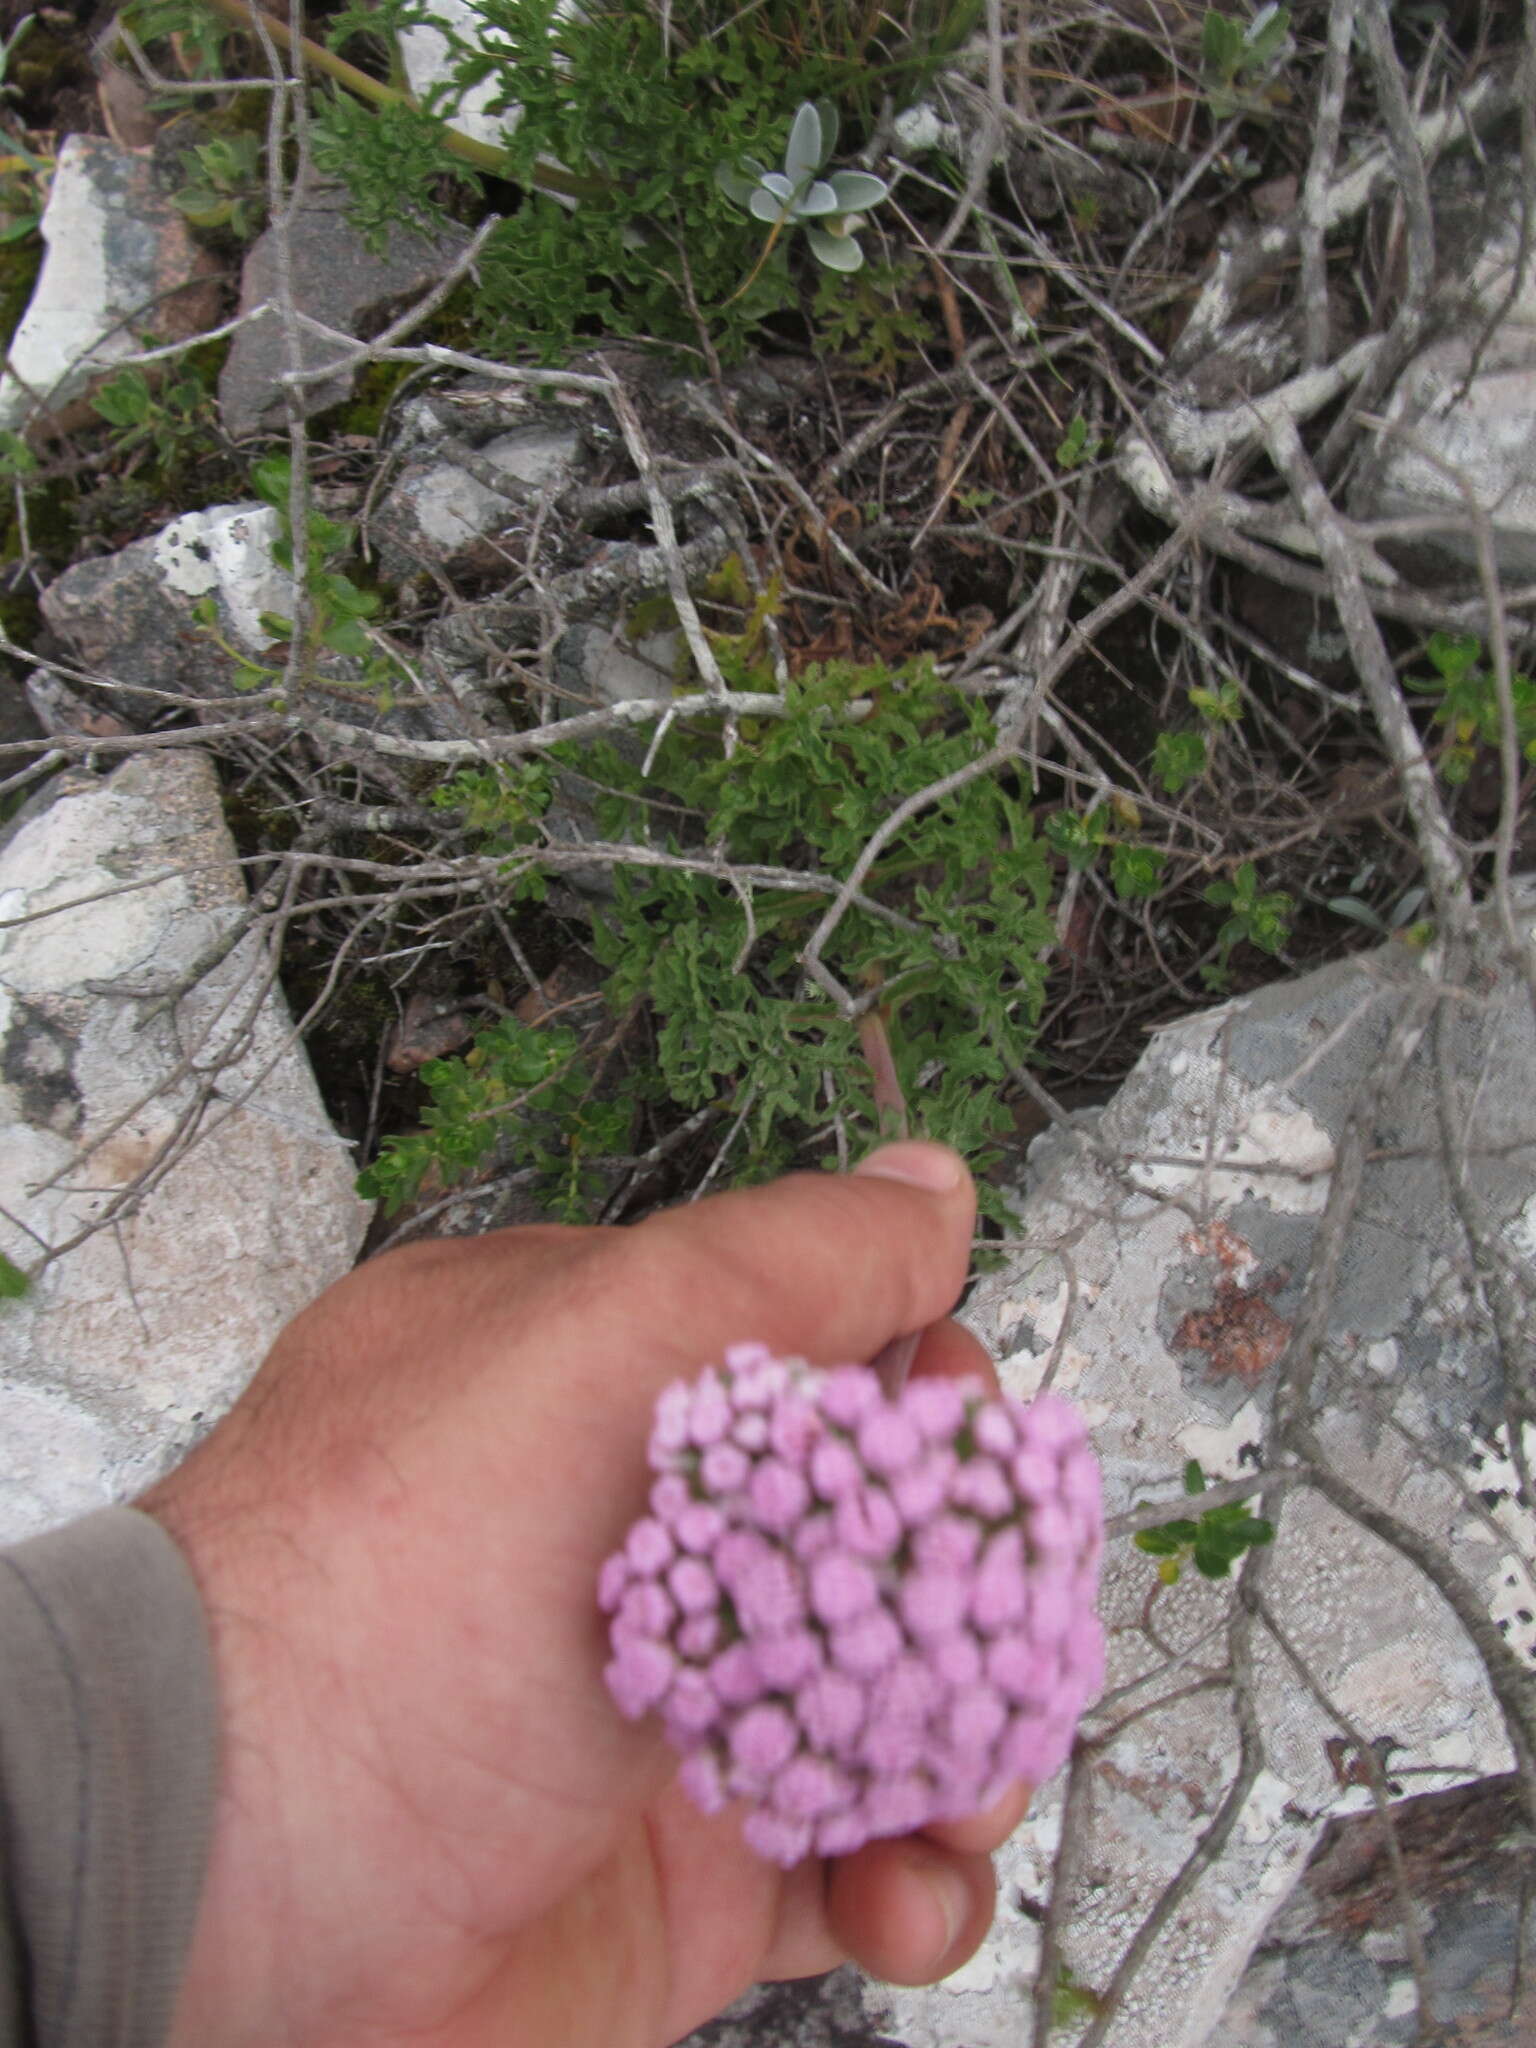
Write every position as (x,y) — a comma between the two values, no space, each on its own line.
(635,108)
(948,932)
(515,1082)
(392,161)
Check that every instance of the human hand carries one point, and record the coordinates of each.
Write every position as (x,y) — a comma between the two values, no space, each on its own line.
(434,1826)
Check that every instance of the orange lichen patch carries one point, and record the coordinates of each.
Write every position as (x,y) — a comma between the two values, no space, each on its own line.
(1221,1242)
(1240,1333)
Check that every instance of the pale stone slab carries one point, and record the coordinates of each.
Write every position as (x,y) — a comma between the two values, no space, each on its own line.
(430,58)
(1161,1295)
(335,278)
(438,512)
(129,1345)
(130,616)
(120,265)
(1463,413)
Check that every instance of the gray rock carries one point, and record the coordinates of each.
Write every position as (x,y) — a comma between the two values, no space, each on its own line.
(837,2011)
(120,266)
(18,716)
(129,616)
(596,666)
(428,53)
(1476,414)
(1333,1965)
(1161,1293)
(440,513)
(133,1340)
(336,279)
(1467,402)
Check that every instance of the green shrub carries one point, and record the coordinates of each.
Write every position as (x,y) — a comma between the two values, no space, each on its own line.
(948,934)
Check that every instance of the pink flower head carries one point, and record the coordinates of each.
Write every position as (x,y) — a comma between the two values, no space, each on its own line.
(860,1614)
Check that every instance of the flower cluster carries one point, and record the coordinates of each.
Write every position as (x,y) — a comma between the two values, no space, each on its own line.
(859,1614)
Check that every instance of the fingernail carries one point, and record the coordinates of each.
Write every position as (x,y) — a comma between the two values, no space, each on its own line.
(953,1899)
(934,1168)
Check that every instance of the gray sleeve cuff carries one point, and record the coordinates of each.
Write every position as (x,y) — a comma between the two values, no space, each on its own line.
(108,1768)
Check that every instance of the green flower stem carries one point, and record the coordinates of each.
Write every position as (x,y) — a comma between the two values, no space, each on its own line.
(483,155)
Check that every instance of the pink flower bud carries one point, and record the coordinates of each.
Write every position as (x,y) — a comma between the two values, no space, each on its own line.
(691,1703)
(612,1580)
(1055,1425)
(894,1806)
(776,1837)
(891,1747)
(724,1468)
(867,1523)
(747,1362)
(807,1787)
(693,1585)
(699,1526)
(835,1469)
(709,1413)
(1050,1532)
(981,1485)
(649,1547)
(644,1610)
(1033,1474)
(938,1406)
(670,1497)
(704,1782)
(830,1708)
(786,1660)
(669,1427)
(888,1441)
(735,1676)
(841,1587)
(976,1718)
(847,1394)
(866,1647)
(934,1604)
(639,1675)
(1020,1669)
(922,1489)
(750,1431)
(993,1430)
(779,1494)
(957,1659)
(793,1427)
(949,1543)
(769,1597)
(763,1739)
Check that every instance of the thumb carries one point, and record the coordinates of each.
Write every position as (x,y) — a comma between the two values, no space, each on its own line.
(827,1267)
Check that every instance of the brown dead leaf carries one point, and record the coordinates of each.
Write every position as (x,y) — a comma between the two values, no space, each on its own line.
(426,1031)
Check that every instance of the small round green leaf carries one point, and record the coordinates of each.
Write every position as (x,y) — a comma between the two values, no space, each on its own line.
(805,152)
(834,252)
(857,191)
